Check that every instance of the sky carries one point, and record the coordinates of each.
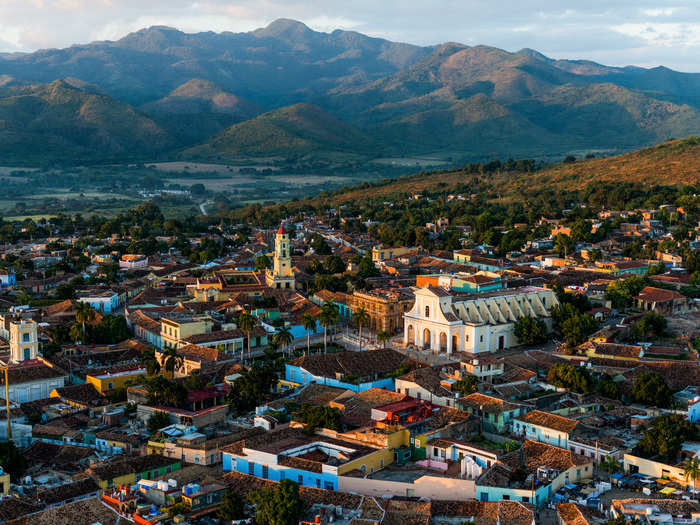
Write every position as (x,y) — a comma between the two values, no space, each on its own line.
(614,32)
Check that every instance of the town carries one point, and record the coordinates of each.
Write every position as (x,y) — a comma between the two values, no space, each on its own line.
(290,365)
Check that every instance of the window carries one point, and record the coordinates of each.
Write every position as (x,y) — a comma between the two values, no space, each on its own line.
(427,311)
(435,451)
(265,471)
(110,386)
(363,468)
(318,483)
(481,338)
(251,468)
(466,338)
(381,463)
(25,338)
(300,479)
(526,499)
(506,496)
(328,485)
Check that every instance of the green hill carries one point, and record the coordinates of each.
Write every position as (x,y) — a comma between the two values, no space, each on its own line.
(482,101)
(452,102)
(294,130)
(671,163)
(58,121)
(198,110)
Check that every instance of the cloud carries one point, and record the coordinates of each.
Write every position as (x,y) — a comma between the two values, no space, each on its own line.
(618,32)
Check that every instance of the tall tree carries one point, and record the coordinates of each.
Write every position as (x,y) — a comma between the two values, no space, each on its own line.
(149,360)
(610,464)
(691,469)
(247,322)
(361,317)
(383,336)
(284,338)
(171,360)
(84,313)
(327,317)
(309,324)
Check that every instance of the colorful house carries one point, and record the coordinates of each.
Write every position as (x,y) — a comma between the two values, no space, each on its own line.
(545,469)
(104,301)
(117,380)
(496,414)
(549,428)
(312,461)
(356,371)
(127,471)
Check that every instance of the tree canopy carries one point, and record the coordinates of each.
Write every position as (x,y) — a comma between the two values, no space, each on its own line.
(665,436)
(280,505)
(575,378)
(530,330)
(650,388)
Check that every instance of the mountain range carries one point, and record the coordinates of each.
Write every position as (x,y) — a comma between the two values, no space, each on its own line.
(286,90)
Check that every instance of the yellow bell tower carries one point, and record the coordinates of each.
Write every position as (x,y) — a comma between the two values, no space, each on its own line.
(281,276)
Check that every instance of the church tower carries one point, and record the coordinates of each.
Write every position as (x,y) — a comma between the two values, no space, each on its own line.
(24,343)
(281,276)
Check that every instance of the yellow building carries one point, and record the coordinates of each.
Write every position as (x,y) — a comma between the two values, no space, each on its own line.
(381,253)
(107,382)
(24,343)
(175,328)
(281,276)
(129,470)
(4,483)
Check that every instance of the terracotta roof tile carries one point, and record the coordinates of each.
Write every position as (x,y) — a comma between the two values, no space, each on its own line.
(545,419)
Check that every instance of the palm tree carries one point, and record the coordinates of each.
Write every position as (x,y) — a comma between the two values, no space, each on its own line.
(383,336)
(611,464)
(309,324)
(327,317)
(171,360)
(247,322)
(361,317)
(149,360)
(83,314)
(691,469)
(284,338)
(76,333)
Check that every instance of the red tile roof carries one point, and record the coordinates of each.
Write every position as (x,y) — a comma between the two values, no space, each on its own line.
(553,421)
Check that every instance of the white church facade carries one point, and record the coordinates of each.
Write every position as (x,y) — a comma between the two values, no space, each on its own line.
(473,323)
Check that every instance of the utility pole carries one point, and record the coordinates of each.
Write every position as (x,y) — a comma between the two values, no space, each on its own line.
(7,403)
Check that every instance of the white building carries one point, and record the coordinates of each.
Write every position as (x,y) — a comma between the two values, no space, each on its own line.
(473,323)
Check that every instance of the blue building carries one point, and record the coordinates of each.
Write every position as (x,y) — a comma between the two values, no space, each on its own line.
(356,371)
(104,301)
(7,278)
(312,461)
(546,427)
